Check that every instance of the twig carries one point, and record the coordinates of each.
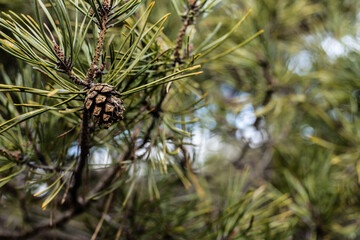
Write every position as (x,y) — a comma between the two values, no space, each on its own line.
(67,132)
(64,64)
(84,154)
(48,168)
(94,67)
(121,227)
(148,152)
(38,153)
(189,20)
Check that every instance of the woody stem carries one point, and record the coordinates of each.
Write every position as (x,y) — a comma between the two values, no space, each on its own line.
(98,51)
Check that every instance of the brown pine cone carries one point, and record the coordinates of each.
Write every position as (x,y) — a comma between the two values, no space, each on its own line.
(102,103)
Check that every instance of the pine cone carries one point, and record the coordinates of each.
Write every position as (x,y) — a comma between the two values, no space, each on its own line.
(102,104)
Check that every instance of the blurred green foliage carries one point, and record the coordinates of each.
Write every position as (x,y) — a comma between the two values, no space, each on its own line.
(300,78)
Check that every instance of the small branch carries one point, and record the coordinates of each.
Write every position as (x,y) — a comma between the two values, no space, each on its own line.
(148,150)
(67,132)
(156,113)
(73,77)
(121,227)
(46,168)
(64,64)
(94,67)
(177,57)
(189,20)
(84,154)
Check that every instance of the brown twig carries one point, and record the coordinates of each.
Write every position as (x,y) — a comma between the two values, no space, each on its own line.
(121,227)
(84,154)
(64,64)
(46,168)
(188,21)
(67,132)
(94,67)
(38,153)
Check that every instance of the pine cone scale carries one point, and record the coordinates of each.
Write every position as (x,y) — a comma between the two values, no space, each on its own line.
(109,108)
(88,104)
(100,99)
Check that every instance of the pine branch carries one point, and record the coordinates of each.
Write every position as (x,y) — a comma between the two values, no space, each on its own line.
(188,21)
(47,168)
(77,208)
(84,155)
(104,10)
(64,64)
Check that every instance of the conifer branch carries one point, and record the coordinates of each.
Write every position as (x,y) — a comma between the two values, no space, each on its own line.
(189,20)
(64,64)
(84,154)
(78,207)
(104,11)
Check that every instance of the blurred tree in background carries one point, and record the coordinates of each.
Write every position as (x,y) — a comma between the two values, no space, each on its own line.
(261,145)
